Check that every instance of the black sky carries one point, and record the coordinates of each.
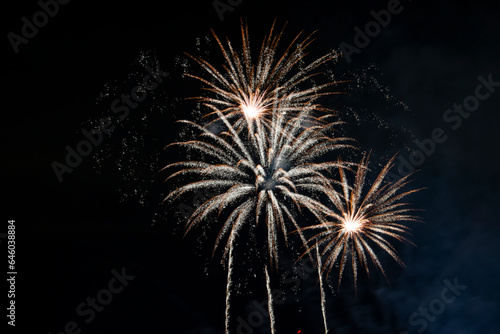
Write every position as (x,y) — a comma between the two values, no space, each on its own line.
(71,235)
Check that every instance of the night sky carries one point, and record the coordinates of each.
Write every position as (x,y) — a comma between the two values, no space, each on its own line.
(99,229)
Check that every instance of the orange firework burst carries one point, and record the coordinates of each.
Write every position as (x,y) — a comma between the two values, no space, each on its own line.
(357,221)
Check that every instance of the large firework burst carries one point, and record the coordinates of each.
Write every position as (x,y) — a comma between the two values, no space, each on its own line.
(264,176)
(361,219)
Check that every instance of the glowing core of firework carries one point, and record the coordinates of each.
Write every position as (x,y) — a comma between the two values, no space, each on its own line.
(252,105)
(251,111)
(352,224)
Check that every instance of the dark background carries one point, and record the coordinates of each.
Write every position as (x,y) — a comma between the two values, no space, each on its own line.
(107,215)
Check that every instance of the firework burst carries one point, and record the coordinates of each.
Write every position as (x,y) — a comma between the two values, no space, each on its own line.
(259,89)
(268,177)
(359,220)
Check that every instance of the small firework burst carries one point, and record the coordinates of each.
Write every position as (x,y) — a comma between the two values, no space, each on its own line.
(359,220)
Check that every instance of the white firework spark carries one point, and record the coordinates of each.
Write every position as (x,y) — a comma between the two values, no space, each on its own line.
(322,290)
(265,167)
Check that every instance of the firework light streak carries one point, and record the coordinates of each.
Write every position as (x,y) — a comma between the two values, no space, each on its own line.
(270,302)
(228,287)
(270,179)
(322,290)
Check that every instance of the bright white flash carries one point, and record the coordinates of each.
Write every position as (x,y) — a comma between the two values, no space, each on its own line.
(352,224)
(251,105)
(251,111)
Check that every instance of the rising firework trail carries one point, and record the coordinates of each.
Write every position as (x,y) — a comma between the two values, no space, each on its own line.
(322,290)
(270,302)
(258,149)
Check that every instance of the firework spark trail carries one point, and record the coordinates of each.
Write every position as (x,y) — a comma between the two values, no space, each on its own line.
(358,220)
(228,288)
(322,290)
(270,302)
